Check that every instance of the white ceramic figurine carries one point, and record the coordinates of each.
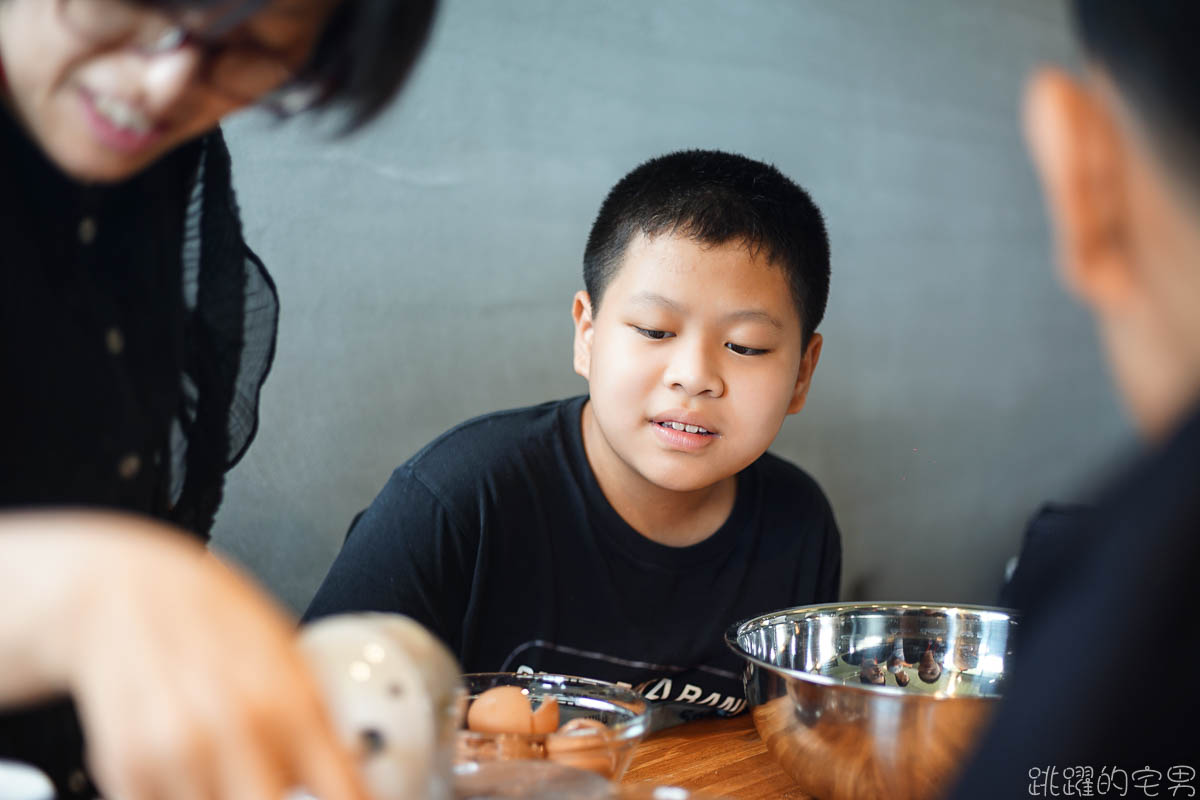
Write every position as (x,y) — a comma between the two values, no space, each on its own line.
(394,693)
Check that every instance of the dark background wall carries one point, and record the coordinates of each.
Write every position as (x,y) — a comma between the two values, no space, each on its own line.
(426,266)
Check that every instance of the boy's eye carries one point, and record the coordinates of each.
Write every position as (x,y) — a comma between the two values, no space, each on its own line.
(650,333)
(745,351)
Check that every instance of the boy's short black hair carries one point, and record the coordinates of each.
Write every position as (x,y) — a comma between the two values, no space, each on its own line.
(713,198)
(1148,48)
(361,59)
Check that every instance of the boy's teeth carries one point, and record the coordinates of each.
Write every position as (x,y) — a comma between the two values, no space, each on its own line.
(121,115)
(679,426)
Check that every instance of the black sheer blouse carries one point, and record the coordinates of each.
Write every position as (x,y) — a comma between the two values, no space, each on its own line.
(137,330)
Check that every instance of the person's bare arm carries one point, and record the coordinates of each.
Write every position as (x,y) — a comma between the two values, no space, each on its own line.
(186,677)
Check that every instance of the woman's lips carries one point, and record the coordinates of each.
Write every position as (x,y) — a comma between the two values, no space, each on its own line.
(122,139)
(682,440)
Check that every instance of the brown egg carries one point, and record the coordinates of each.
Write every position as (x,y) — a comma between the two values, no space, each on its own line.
(510,746)
(583,744)
(468,748)
(545,719)
(501,709)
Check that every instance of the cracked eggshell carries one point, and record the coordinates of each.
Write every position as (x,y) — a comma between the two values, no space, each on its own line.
(545,719)
(583,744)
(501,709)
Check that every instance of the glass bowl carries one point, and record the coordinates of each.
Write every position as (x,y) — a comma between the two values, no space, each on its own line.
(604,748)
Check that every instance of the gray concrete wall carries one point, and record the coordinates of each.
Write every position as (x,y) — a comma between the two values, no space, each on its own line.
(426,266)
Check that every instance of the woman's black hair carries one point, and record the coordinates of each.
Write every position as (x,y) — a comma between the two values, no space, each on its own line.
(362,57)
(365,54)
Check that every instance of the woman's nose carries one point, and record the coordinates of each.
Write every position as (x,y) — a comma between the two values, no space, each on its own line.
(168,75)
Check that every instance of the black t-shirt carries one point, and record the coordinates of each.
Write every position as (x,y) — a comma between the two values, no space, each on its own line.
(1103,694)
(498,538)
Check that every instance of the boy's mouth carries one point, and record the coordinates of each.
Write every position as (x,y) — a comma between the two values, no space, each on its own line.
(679,426)
(679,431)
(685,420)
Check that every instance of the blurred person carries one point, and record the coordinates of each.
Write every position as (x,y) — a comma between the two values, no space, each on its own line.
(138,328)
(1118,152)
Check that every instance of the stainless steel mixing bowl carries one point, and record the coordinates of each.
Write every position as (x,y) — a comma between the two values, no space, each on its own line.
(874,700)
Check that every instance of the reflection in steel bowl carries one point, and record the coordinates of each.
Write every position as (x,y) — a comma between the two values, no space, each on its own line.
(846,728)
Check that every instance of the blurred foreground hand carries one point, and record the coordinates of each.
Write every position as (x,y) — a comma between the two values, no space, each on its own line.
(187,678)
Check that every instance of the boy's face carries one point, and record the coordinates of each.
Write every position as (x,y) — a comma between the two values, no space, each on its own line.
(697,335)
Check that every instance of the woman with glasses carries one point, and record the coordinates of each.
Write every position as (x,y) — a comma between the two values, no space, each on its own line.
(136,328)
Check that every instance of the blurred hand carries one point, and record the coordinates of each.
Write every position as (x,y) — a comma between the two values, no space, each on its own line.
(186,677)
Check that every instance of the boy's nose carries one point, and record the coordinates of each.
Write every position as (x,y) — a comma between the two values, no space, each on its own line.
(692,371)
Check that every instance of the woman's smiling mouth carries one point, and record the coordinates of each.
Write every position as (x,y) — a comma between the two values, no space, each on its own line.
(119,125)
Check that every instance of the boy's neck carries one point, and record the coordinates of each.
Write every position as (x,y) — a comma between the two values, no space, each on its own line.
(675,519)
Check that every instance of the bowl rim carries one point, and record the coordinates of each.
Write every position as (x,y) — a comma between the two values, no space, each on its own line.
(631,729)
(761,620)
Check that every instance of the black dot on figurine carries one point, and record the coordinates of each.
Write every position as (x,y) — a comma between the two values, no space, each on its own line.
(372,740)
(395,690)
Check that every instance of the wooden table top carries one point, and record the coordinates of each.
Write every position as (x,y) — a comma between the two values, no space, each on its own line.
(719,757)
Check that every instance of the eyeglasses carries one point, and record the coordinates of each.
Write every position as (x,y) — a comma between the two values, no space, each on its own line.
(243,72)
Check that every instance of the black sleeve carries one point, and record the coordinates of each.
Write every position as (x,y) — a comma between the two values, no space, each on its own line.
(404,555)
(1055,539)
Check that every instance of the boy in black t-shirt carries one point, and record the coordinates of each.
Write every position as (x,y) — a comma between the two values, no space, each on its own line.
(618,535)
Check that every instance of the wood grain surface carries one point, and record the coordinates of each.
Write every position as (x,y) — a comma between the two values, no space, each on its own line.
(718,757)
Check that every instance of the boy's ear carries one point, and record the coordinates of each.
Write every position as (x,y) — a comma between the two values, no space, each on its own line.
(581,312)
(808,365)
(1079,152)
